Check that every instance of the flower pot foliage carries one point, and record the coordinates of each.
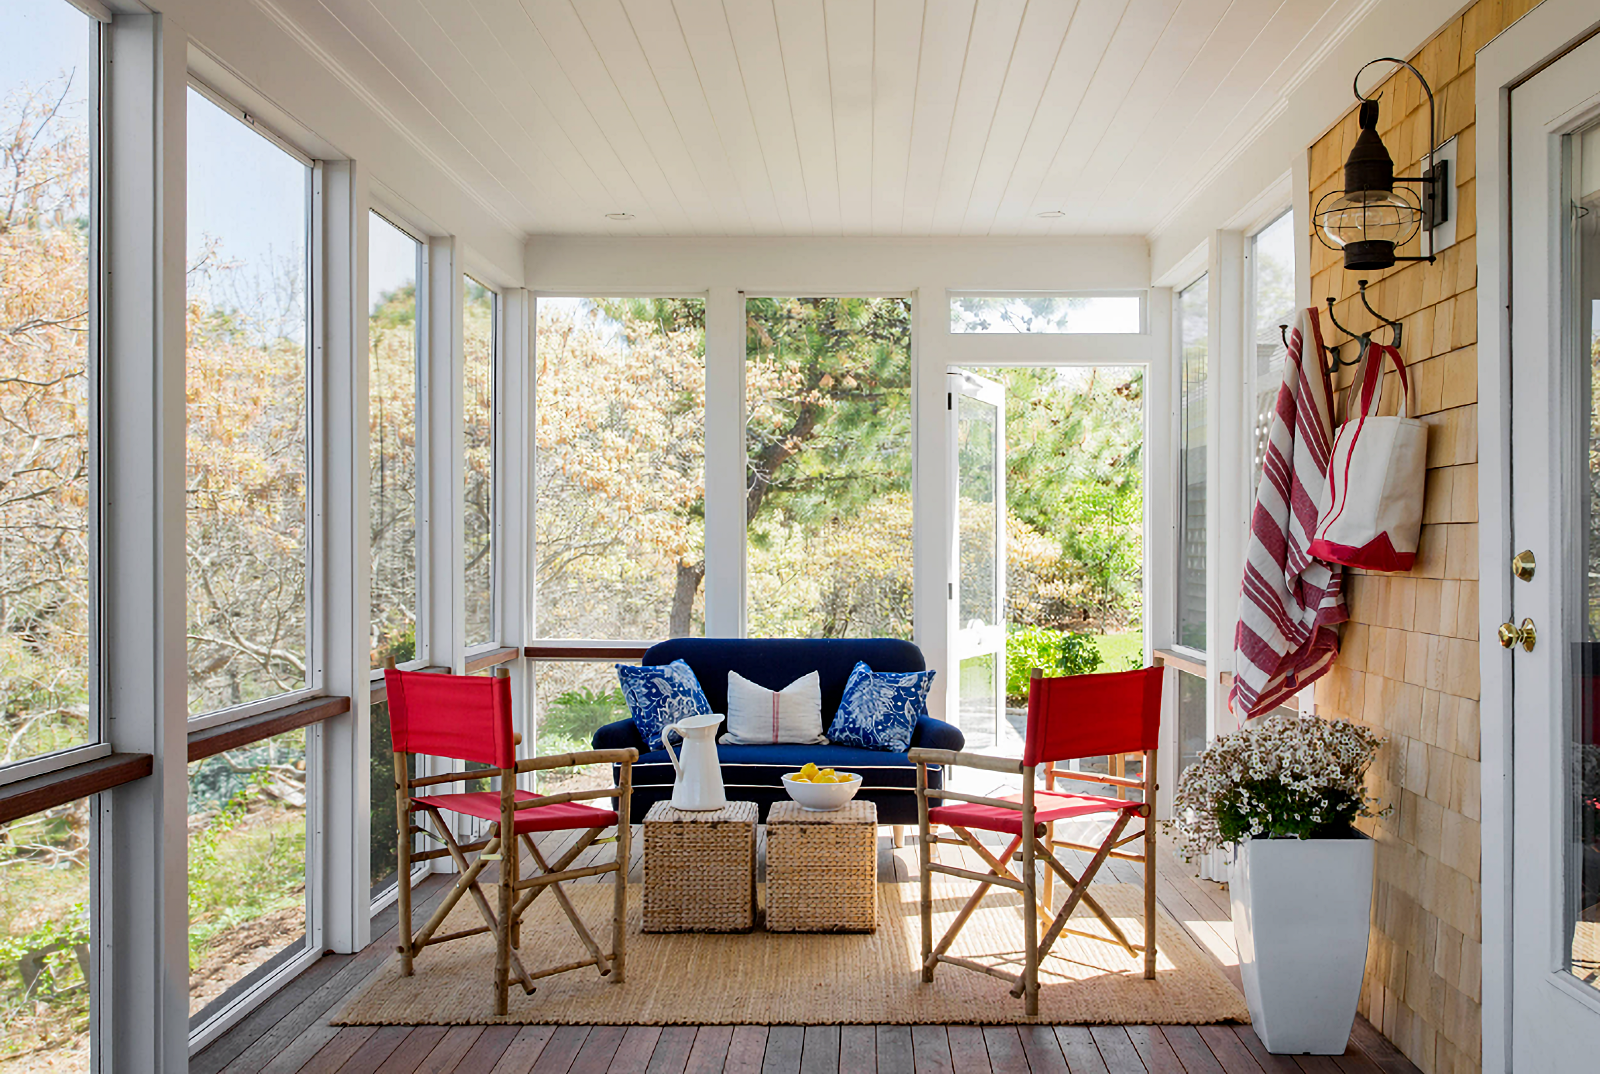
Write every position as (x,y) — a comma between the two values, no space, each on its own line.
(1283,777)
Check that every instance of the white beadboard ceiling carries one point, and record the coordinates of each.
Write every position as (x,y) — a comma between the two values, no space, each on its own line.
(824,117)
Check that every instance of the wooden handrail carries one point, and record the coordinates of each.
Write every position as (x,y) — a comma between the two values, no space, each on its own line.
(230,736)
(491,658)
(29,796)
(1170,658)
(586,650)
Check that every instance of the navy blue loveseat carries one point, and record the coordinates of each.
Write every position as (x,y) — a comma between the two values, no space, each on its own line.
(752,773)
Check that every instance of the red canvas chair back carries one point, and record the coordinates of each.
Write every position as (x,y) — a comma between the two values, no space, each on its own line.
(1092,715)
(466,717)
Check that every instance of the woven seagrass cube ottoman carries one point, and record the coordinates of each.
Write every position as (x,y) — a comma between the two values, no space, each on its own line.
(822,869)
(700,869)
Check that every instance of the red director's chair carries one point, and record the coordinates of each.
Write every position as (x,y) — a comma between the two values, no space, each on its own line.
(468,718)
(1071,717)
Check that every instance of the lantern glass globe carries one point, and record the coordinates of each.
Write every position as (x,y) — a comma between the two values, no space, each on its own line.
(1391,216)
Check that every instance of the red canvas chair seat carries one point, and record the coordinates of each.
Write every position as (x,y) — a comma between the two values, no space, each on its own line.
(561,817)
(1071,717)
(1046,808)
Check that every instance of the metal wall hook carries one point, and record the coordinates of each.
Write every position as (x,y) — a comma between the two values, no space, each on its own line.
(1395,325)
(1333,350)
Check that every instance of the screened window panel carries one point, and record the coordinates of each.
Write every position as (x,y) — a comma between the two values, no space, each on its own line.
(828,464)
(1192,722)
(619,520)
(247,867)
(479,351)
(393,266)
(48,87)
(1193,444)
(1271,304)
(1050,314)
(247,369)
(572,700)
(45,930)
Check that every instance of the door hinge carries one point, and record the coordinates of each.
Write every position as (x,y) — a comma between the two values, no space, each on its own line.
(952,587)
(949,400)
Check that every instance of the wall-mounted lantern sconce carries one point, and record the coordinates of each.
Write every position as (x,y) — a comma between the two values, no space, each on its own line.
(1372,216)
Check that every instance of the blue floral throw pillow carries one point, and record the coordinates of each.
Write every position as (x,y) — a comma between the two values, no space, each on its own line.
(661,695)
(879,710)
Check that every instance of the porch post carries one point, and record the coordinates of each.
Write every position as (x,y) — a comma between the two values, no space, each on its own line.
(142,952)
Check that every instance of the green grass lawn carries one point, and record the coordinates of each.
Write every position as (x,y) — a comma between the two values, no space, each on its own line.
(1119,652)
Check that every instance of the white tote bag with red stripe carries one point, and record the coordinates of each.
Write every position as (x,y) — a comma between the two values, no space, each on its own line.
(1370,515)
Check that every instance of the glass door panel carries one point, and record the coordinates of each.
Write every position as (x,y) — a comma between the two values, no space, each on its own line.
(1581,794)
(978,574)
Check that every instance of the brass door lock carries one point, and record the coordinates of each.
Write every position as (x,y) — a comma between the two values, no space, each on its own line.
(1525,634)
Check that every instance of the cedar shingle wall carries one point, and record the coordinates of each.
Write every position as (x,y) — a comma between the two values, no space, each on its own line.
(1409,660)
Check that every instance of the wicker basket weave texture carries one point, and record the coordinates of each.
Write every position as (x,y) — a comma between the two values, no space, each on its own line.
(822,869)
(700,869)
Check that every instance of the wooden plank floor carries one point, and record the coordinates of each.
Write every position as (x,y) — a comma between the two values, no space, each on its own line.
(289,1032)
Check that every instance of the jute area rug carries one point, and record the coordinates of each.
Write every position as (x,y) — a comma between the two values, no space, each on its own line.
(764,978)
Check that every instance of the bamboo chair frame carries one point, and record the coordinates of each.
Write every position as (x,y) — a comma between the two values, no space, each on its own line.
(515,892)
(1038,848)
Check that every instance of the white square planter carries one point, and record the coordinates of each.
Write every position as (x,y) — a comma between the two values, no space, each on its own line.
(1301,912)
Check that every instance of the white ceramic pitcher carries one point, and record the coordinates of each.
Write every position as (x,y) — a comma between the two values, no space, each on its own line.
(698,785)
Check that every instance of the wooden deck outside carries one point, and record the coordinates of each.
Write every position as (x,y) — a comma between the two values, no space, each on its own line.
(289,1033)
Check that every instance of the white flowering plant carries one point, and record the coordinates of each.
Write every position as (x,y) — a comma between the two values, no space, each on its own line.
(1285,777)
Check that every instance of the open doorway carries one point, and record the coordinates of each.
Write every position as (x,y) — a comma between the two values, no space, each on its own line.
(1047,546)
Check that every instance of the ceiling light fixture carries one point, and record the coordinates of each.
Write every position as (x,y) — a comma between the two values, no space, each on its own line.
(1051,214)
(1370,218)
(619,216)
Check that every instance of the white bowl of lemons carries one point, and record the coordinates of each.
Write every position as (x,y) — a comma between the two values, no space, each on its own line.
(821,790)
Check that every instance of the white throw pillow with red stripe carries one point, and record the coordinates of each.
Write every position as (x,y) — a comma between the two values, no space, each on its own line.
(761,717)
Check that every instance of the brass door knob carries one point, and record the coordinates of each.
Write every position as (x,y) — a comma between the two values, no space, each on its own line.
(1522,565)
(1525,634)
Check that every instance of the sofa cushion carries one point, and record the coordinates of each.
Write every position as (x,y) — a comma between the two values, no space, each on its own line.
(879,710)
(758,716)
(658,696)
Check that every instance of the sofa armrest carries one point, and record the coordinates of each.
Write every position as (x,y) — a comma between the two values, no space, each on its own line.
(932,734)
(619,735)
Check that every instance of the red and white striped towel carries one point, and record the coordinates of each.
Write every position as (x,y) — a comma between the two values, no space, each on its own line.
(1289,603)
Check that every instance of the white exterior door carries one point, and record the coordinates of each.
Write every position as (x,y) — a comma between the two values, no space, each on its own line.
(977,589)
(1555,515)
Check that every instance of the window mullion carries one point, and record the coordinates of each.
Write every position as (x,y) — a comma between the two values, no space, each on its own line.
(440,511)
(725,464)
